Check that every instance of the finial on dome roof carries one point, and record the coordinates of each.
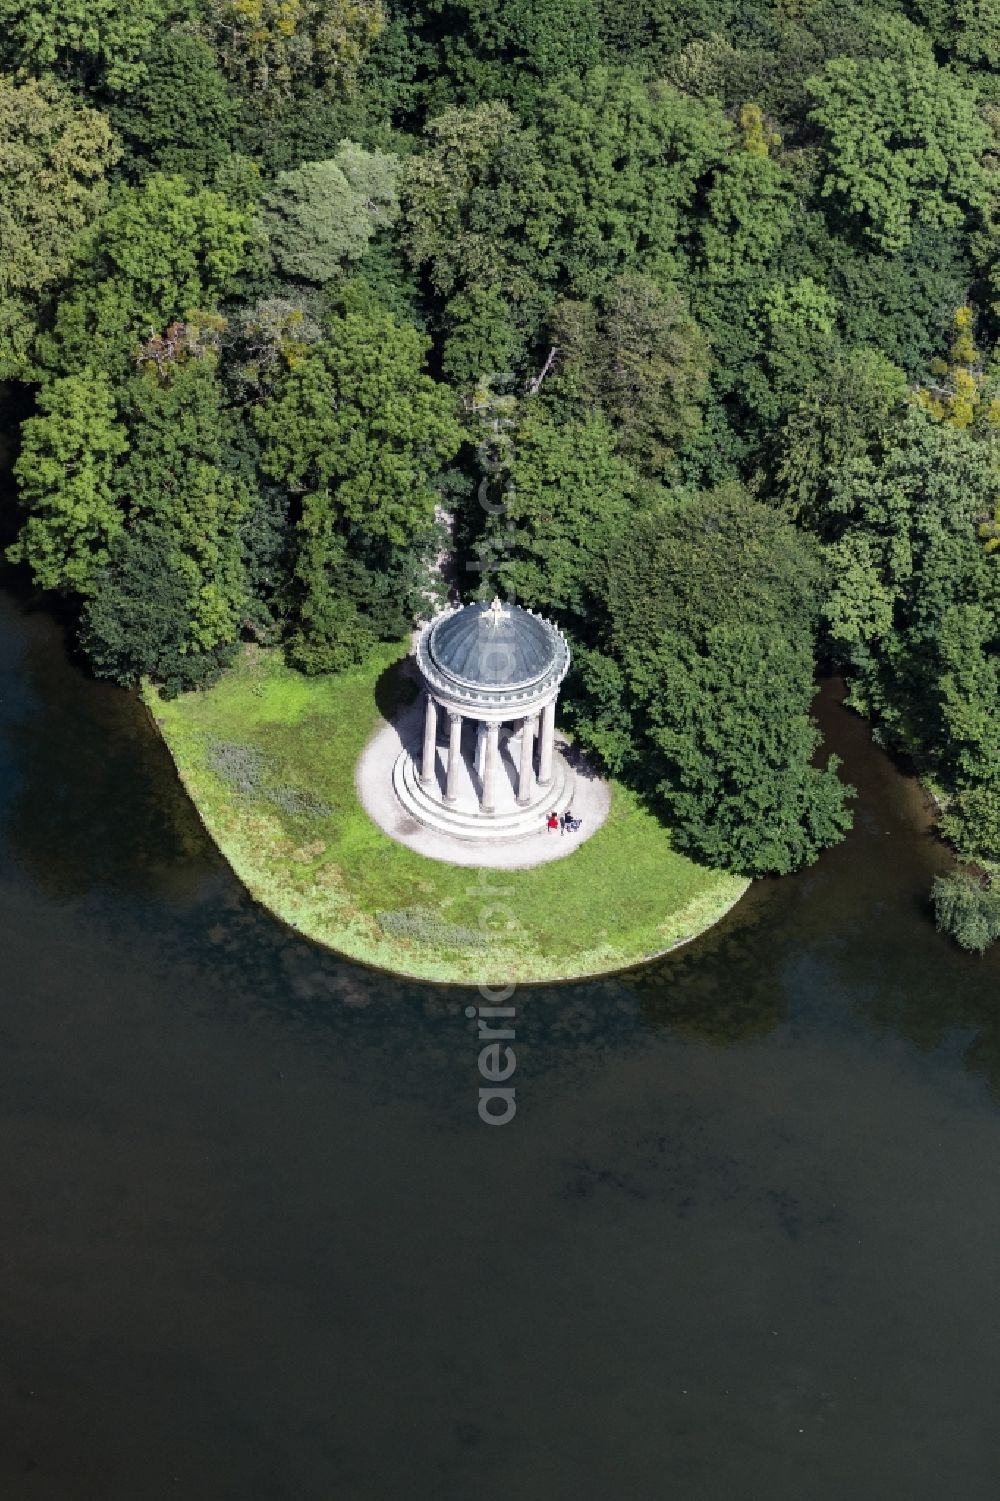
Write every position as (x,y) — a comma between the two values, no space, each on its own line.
(496,612)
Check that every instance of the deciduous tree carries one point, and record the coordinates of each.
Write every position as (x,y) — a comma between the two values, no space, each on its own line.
(643,360)
(66,482)
(322,216)
(177,479)
(359,416)
(903,142)
(709,611)
(569,492)
(623,162)
(181,116)
(160,252)
(96,41)
(54,156)
(363,434)
(268,46)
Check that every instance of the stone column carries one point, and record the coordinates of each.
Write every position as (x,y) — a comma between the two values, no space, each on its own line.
(547,745)
(527,770)
(454,755)
(428,767)
(489,799)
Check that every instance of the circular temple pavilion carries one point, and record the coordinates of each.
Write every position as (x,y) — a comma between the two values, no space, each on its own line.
(488,766)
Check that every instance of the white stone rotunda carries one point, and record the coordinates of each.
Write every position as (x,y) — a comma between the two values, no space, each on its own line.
(488,768)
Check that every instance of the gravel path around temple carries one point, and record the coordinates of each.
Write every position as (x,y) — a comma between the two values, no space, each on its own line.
(591,804)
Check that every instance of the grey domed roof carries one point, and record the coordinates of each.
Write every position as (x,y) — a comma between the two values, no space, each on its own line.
(481,645)
(492,652)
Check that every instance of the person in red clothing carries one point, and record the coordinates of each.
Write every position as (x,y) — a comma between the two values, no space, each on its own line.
(551,822)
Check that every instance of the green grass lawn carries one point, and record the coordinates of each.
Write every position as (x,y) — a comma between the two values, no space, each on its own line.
(269,756)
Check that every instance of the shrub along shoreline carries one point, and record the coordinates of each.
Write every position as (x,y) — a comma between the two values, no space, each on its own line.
(268,757)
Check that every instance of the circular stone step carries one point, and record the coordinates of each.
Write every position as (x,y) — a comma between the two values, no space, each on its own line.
(427,807)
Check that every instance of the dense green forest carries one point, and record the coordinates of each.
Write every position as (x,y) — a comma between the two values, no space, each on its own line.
(679,318)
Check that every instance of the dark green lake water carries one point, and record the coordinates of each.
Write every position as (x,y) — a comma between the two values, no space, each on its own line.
(741,1243)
